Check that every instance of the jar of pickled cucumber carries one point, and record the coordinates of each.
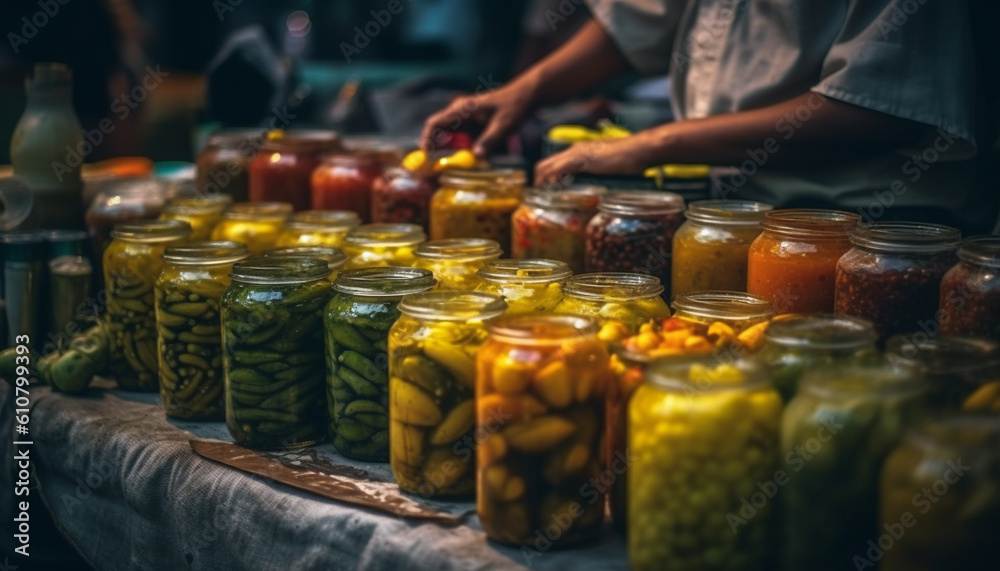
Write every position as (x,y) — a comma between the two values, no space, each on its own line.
(702,434)
(552,224)
(540,385)
(939,500)
(272,336)
(963,372)
(334,258)
(456,262)
(632,299)
(358,319)
(317,228)
(382,245)
(189,327)
(476,204)
(132,262)
(202,213)
(835,435)
(528,286)
(256,224)
(795,344)
(432,374)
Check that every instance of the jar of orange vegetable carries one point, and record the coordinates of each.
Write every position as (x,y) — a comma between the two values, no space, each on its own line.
(344,182)
(283,168)
(476,204)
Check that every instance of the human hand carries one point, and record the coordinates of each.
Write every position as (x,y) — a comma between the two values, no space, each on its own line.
(500,112)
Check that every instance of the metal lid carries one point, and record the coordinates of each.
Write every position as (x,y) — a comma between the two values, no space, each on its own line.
(280,270)
(391,281)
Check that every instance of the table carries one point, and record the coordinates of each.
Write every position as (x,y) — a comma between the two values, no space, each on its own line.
(124,486)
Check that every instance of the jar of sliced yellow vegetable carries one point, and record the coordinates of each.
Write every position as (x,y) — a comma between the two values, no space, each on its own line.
(632,299)
(334,258)
(456,262)
(317,228)
(202,213)
(528,286)
(256,224)
(476,204)
(382,245)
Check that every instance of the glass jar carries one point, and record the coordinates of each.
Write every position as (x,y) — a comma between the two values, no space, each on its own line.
(795,344)
(317,228)
(963,372)
(283,168)
(358,320)
(189,327)
(334,258)
(892,275)
(939,498)
(456,262)
(836,434)
(201,213)
(540,382)
(344,182)
(528,286)
(132,262)
(633,231)
(630,299)
(121,202)
(552,224)
(432,372)
(710,248)
(401,196)
(223,166)
(970,291)
(272,336)
(381,245)
(256,224)
(702,433)
(793,263)
(476,204)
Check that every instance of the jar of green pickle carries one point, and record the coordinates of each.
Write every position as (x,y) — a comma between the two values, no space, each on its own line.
(202,213)
(476,204)
(272,336)
(632,299)
(528,286)
(432,375)
(317,228)
(132,262)
(334,258)
(456,262)
(358,319)
(256,224)
(382,245)
(797,343)
(963,372)
(835,436)
(189,327)
(939,500)
(702,432)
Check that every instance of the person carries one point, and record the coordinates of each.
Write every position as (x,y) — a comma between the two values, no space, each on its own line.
(874,106)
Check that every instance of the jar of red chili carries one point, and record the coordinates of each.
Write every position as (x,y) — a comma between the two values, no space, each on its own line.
(893,273)
(283,168)
(401,196)
(552,224)
(344,182)
(970,291)
(223,166)
(633,232)
(793,263)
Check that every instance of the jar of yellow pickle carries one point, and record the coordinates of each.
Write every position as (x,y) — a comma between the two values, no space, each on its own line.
(202,213)
(540,382)
(317,228)
(631,299)
(432,373)
(456,262)
(476,204)
(132,262)
(256,224)
(333,257)
(381,245)
(189,327)
(703,434)
(528,286)
(963,372)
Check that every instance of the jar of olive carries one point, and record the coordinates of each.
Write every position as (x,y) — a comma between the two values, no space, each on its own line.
(631,299)
(528,286)
(540,382)
(256,224)
(334,258)
(317,228)
(272,336)
(132,262)
(382,245)
(476,204)
(357,322)
(835,436)
(432,374)
(456,262)
(202,213)
(702,432)
(963,372)
(189,327)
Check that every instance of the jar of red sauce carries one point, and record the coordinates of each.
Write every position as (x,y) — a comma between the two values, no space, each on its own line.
(401,196)
(793,263)
(344,182)
(970,291)
(282,170)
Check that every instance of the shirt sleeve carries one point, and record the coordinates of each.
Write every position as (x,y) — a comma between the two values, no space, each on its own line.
(908,58)
(644,30)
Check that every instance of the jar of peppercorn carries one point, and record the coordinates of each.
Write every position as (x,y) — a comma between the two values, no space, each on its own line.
(552,224)
(344,182)
(402,196)
(970,291)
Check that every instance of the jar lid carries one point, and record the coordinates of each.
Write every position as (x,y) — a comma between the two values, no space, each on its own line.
(882,378)
(728,305)
(392,235)
(483,178)
(459,249)
(728,212)
(526,271)
(568,198)
(942,355)
(253,210)
(641,202)
(613,286)
(907,237)
(453,306)
(539,329)
(152,230)
(983,250)
(714,372)
(320,220)
(391,281)
(334,257)
(815,223)
(280,270)
(207,204)
(821,331)
(206,253)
